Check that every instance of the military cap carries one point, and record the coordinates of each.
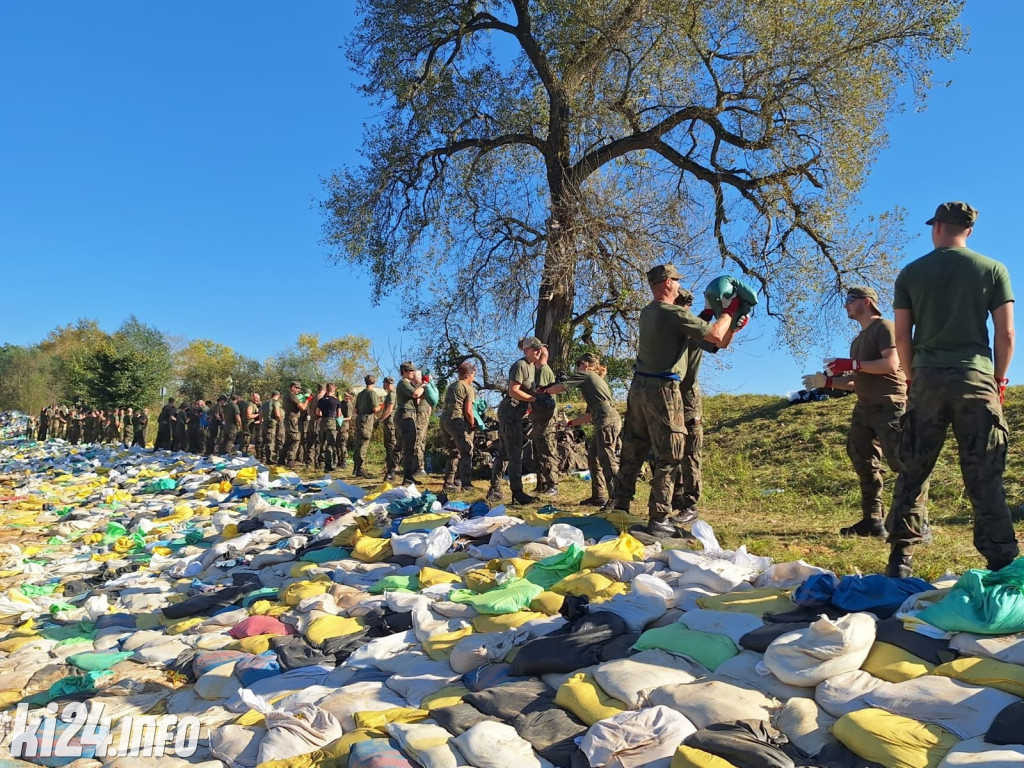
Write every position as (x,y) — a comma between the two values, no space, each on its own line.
(661,273)
(862,292)
(532,342)
(407,366)
(955,212)
(295,384)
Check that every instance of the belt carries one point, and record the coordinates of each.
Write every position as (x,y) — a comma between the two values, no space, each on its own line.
(662,376)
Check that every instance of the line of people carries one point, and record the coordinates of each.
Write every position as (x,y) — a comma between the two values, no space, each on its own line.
(90,425)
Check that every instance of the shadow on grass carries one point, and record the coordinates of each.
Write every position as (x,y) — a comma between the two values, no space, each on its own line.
(771,410)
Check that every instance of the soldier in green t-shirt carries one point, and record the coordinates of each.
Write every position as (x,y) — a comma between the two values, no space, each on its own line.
(387,426)
(368,404)
(542,431)
(655,421)
(943,301)
(881,388)
(511,412)
(232,423)
(406,396)
(293,408)
(457,423)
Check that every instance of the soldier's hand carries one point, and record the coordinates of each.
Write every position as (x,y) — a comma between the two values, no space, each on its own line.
(837,366)
(1002,384)
(817,381)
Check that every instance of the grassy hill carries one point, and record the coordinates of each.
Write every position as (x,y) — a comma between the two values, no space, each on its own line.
(757,445)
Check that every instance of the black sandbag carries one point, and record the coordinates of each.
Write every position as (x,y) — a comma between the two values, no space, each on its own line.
(744,743)
(574,646)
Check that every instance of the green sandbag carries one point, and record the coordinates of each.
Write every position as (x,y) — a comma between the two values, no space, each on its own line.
(95,661)
(68,686)
(983,602)
(552,570)
(395,584)
(703,647)
(721,291)
(512,596)
(430,394)
(325,555)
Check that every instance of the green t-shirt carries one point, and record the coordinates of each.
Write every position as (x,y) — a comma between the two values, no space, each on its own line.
(390,399)
(367,401)
(873,388)
(292,404)
(455,400)
(525,373)
(230,412)
(595,389)
(951,292)
(403,396)
(665,330)
(545,376)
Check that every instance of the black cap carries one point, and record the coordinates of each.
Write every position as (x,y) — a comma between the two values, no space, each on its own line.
(956,212)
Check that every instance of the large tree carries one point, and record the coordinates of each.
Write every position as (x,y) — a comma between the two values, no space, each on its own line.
(530,159)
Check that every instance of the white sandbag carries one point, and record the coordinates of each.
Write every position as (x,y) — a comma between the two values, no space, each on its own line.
(426,623)
(292,732)
(415,688)
(792,574)
(636,738)
(714,701)
(429,745)
(439,541)
(495,745)
(845,693)
(236,745)
(413,544)
(729,623)
(717,575)
(1008,648)
(806,725)
(746,669)
(392,653)
(561,535)
(964,710)
(629,679)
(360,697)
(518,533)
(478,527)
(978,752)
(825,649)
(635,609)
(219,683)
(162,653)
(478,649)
(686,598)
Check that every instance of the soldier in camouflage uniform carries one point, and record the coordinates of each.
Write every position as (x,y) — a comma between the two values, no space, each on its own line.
(275,427)
(387,426)
(346,414)
(511,412)
(655,419)
(229,429)
(126,426)
(423,411)
(293,408)
(406,395)
(542,432)
(943,301)
(327,411)
(368,404)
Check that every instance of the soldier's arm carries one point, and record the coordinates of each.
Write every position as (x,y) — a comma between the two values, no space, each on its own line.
(904,322)
(887,364)
(1003,340)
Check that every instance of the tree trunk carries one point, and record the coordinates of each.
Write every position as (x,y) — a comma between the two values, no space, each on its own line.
(558,292)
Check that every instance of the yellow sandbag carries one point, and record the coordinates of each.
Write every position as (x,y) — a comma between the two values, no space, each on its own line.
(521,565)
(255,644)
(427,521)
(623,521)
(382,488)
(547,602)
(430,576)
(439,647)
(298,570)
(893,740)
(10,698)
(583,697)
(756,601)
(245,475)
(268,608)
(893,664)
(451,557)
(691,757)
(448,696)
(505,621)
(12,644)
(369,549)
(253,717)
(298,591)
(326,627)
(625,547)
(230,531)
(480,580)
(990,672)
(596,586)
(379,718)
(179,626)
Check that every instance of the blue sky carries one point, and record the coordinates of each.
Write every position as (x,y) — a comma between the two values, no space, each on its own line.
(164,160)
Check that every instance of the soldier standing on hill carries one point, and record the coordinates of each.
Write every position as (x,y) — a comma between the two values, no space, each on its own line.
(229,429)
(655,415)
(275,427)
(406,396)
(943,301)
(542,431)
(881,387)
(139,425)
(164,421)
(293,408)
(368,404)
(327,409)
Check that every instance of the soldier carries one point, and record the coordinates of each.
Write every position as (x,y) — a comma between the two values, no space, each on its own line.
(231,426)
(126,427)
(327,410)
(249,412)
(387,426)
(275,427)
(654,407)
(44,424)
(254,430)
(346,415)
(293,408)
(406,395)
(214,424)
(542,431)
(165,421)
(139,425)
(943,301)
(881,388)
(457,423)
(604,445)
(180,432)
(423,411)
(311,429)
(368,404)
(511,412)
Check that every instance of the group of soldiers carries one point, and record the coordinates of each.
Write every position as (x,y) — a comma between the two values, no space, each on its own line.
(90,425)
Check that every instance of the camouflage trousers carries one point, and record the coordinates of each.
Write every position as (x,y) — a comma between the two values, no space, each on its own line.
(458,439)
(228,435)
(969,400)
(407,429)
(292,440)
(341,444)
(602,460)
(511,441)
(422,427)
(690,479)
(545,446)
(274,440)
(328,442)
(655,423)
(364,433)
(391,453)
(875,436)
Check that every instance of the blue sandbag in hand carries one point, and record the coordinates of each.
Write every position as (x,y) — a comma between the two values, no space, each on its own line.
(722,290)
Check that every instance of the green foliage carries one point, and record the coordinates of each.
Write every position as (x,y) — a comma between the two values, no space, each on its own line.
(120,376)
(532,158)
(70,349)
(205,368)
(26,380)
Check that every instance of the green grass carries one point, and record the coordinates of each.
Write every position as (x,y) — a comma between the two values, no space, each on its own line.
(756,444)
